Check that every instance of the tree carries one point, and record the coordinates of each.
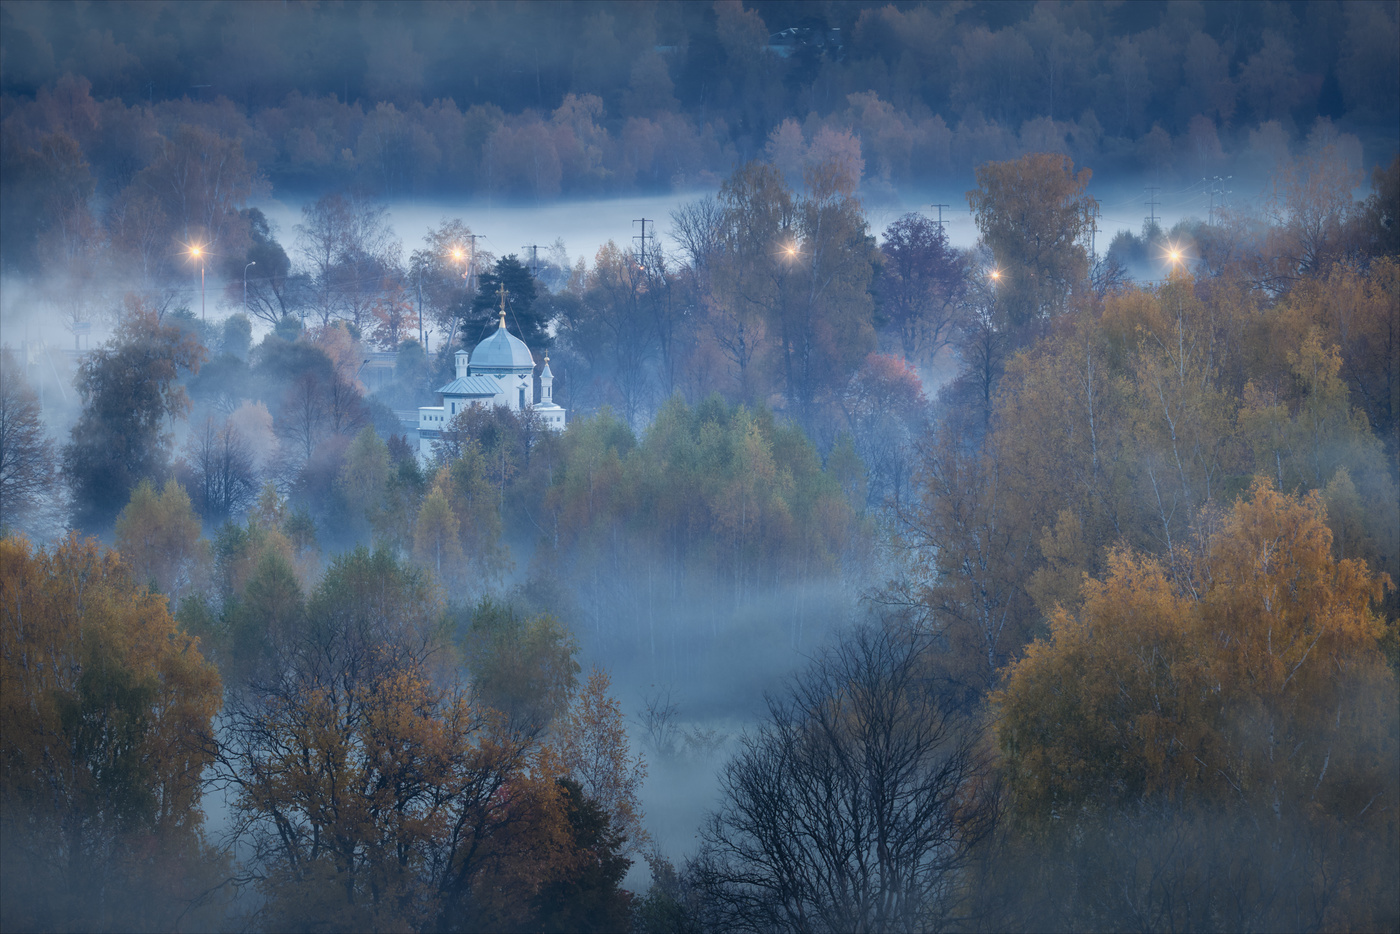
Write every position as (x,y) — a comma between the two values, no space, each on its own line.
(593,746)
(1034,213)
(522,316)
(371,790)
(349,248)
(435,534)
(921,285)
(444,274)
(886,412)
(26,455)
(1250,688)
(158,534)
(104,745)
(274,291)
(522,666)
(364,475)
(201,180)
(129,390)
(222,471)
(854,806)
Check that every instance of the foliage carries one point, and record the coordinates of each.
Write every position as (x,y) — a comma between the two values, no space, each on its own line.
(592,744)
(1251,683)
(158,534)
(129,389)
(26,455)
(522,666)
(921,284)
(107,710)
(1033,214)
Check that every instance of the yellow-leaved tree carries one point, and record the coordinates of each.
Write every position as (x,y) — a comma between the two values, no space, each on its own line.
(105,710)
(1228,729)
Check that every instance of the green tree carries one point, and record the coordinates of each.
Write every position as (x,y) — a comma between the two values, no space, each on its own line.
(522,317)
(523,666)
(158,535)
(130,389)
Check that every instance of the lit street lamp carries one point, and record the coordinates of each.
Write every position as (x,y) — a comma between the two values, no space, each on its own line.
(245,287)
(197,252)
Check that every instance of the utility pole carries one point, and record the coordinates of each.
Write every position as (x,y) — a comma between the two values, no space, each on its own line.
(1218,190)
(534,249)
(422,343)
(940,213)
(1094,232)
(1151,204)
(643,238)
(471,260)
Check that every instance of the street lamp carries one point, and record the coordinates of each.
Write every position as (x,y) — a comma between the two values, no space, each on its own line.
(994,275)
(197,252)
(245,287)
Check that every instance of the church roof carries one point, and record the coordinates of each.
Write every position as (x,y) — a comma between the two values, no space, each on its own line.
(502,351)
(471,386)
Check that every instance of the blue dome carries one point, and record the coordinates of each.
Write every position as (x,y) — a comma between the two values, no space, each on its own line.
(502,351)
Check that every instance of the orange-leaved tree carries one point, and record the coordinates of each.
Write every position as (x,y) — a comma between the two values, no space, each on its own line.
(106,709)
(1246,692)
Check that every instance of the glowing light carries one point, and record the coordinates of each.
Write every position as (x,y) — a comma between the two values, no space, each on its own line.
(457,253)
(995,275)
(196,251)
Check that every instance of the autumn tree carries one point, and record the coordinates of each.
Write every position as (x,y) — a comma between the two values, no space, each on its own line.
(592,743)
(26,454)
(440,807)
(348,248)
(1034,213)
(158,535)
(1251,684)
(105,742)
(130,388)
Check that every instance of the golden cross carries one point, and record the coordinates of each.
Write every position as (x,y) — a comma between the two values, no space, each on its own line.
(502,287)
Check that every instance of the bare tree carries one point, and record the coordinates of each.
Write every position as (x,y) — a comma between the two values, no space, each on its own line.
(224,475)
(855,806)
(26,455)
(349,248)
(302,419)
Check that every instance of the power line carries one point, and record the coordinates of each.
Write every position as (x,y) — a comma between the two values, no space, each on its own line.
(940,213)
(1151,204)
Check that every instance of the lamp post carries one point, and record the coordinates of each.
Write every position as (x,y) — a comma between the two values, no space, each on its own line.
(197,252)
(245,287)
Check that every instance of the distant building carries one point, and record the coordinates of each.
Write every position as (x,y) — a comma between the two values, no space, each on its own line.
(500,371)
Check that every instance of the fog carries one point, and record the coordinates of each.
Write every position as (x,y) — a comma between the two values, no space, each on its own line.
(918,549)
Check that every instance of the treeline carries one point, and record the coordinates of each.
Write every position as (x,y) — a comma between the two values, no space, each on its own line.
(603,97)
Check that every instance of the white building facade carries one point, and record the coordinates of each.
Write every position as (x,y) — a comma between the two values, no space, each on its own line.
(500,371)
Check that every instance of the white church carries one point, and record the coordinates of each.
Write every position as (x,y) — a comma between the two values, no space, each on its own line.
(499,371)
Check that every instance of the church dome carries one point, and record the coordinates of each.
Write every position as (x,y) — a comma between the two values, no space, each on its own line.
(502,351)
